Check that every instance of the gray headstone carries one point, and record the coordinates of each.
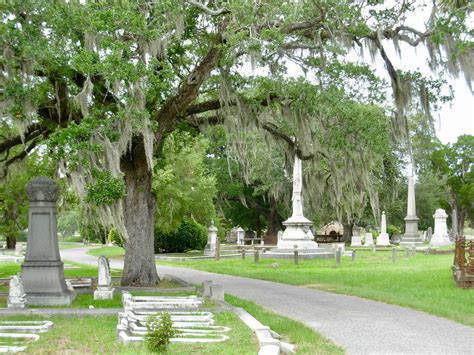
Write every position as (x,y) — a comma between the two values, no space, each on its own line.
(217,293)
(338,256)
(42,271)
(256,257)
(429,234)
(206,288)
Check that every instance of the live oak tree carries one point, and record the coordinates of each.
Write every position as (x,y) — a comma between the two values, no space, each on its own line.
(101,85)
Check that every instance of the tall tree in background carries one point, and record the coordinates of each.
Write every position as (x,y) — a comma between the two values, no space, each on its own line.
(455,163)
(13,200)
(106,83)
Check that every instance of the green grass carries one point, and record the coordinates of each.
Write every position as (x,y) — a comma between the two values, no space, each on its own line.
(97,335)
(81,270)
(114,252)
(306,340)
(424,282)
(70,245)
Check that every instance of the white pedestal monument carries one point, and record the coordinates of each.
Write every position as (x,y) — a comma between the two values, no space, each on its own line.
(42,271)
(383,239)
(104,290)
(297,233)
(210,249)
(411,236)
(440,235)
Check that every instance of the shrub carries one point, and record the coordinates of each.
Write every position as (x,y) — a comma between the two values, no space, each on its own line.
(189,236)
(160,331)
(115,237)
(393,230)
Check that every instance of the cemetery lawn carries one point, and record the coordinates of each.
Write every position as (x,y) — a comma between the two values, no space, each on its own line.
(307,341)
(97,335)
(114,252)
(423,283)
(71,269)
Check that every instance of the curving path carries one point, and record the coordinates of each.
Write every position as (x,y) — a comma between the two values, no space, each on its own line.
(360,326)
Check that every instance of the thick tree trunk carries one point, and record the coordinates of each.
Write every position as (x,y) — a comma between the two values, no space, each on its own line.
(347,231)
(271,237)
(139,212)
(11,242)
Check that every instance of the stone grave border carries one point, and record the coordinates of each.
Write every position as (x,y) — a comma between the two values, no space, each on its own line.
(22,330)
(269,341)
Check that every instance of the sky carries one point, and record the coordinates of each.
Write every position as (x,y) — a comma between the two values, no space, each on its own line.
(453,119)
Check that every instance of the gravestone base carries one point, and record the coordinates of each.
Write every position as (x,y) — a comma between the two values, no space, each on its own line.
(411,237)
(383,239)
(44,283)
(209,250)
(297,234)
(440,240)
(104,294)
(16,302)
(51,299)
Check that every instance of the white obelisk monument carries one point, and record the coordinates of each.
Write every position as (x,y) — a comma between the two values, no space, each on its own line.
(411,236)
(383,239)
(297,233)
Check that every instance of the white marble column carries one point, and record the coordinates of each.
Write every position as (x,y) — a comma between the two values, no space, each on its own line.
(297,232)
(383,238)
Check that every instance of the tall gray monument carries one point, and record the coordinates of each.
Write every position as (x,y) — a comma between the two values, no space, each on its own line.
(42,271)
(411,236)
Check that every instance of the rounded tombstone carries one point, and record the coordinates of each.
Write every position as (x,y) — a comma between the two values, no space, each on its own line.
(42,189)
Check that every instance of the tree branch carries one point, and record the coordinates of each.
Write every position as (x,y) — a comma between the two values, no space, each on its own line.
(32,131)
(274,130)
(208,10)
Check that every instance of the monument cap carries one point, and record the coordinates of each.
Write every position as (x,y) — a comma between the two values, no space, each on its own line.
(42,189)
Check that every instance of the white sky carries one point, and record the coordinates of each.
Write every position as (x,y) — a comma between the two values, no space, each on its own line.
(455,118)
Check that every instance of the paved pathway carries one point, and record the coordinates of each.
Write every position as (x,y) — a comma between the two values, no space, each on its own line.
(360,326)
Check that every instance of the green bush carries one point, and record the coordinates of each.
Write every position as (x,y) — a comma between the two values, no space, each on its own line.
(189,236)
(160,331)
(115,237)
(393,230)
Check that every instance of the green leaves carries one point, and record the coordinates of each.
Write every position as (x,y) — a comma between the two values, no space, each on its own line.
(106,189)
(182,185)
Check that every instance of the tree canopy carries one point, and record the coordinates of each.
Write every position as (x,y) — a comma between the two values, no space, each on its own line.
(102,85)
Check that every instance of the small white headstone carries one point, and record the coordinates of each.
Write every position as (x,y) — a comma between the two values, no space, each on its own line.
(356,241)
(211,246)
(104,291)
(240,236)
(369,239)
(16,294)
